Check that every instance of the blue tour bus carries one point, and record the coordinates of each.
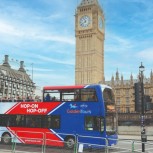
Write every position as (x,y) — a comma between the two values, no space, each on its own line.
(87,111)
(67,114)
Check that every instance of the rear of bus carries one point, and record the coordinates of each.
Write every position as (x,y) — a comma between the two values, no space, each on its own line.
(110,115)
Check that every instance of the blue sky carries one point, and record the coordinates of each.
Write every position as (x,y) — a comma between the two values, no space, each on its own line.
(42,32)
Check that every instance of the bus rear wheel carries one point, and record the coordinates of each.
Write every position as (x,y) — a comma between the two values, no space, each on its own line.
(6,138)
(69,143)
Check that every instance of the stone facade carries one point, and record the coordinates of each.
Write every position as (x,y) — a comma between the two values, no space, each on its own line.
(90,33)
(14,83)
(124,91)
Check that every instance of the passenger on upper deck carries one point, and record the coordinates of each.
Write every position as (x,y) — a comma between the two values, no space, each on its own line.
(92,98)
(48,97)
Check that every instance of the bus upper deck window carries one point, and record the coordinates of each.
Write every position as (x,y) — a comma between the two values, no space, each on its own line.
(48,97)
(88,94)
(51,95)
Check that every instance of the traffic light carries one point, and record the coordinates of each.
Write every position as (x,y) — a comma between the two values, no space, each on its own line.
(148,103)
(138,96)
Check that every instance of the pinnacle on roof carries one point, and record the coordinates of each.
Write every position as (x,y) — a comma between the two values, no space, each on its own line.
(22,66)
(6,62)
(88,2)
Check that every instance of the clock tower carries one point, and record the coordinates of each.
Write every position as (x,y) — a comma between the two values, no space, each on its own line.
(90,33)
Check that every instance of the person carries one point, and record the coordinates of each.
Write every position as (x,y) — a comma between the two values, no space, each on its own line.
(77,98)
(92,98)
(30,122)
(33,123)
(48,97)
(53,98)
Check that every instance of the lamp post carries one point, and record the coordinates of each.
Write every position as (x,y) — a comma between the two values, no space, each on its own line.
(143,132)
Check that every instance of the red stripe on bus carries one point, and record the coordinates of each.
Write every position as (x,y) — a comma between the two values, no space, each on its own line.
(33,108)
(63,87)
(36,136)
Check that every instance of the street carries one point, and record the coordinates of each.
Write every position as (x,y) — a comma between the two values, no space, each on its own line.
(126,144)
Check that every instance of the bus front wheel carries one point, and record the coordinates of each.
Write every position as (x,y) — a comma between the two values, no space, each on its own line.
(69,142)
(6,138)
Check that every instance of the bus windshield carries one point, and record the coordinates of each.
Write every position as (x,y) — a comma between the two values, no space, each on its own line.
(111,124)
(110,110)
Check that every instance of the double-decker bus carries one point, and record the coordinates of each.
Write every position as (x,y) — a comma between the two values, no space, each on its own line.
(66,111)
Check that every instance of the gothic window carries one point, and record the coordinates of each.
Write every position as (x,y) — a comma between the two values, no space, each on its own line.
(146,91)
(117,92)
(83,45)
(118,101)
(127,92)
(118,109)
(127,100)
(127,109)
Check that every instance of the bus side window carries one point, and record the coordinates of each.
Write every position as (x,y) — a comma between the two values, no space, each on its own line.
(52,122)
(92,97)
(20,120)
(4,120)
(88,94)
(48,122)
(97,123)
(94,123)
(31,121)
(51,95)
(55,122)
(47,97)
(89,123)
(11,120)
(102,124)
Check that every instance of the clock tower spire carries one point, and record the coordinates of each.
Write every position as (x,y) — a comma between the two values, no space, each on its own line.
(88,2)
(90,33)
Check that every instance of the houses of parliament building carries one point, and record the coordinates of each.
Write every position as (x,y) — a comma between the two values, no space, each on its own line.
(89,66)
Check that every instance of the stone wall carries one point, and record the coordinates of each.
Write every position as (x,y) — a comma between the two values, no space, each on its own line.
(134,130)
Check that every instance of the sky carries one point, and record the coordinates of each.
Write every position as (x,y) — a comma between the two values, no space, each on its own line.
(42,34)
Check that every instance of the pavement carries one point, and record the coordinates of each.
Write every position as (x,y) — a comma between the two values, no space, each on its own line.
(135,137)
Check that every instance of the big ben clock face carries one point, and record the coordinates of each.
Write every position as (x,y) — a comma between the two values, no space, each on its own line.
(85,21)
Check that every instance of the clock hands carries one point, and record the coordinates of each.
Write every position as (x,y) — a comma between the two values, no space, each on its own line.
(85,21)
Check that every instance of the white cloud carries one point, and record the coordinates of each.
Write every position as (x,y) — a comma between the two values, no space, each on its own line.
(53,79)
(32,33)
(54,60)
(146,54)
(6,28)
(117,43)
(57,38)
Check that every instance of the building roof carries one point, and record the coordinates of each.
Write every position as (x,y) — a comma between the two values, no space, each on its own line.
(14,74)
(127,82)
(7,71)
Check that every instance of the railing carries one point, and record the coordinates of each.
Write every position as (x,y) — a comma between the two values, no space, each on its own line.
(77,142)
